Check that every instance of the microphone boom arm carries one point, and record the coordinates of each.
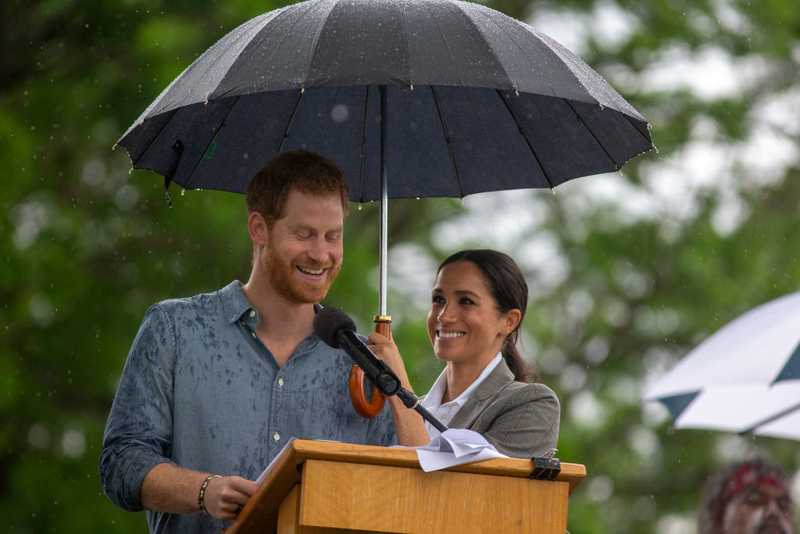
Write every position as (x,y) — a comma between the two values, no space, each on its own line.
(382,376)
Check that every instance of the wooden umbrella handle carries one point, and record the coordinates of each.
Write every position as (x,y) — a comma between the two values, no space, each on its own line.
(368,409)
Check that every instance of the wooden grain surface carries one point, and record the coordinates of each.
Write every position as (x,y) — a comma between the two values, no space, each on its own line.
(405,500)
(261,512)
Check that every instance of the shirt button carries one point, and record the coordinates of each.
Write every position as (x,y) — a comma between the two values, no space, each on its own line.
(280,382)
(276,436)
(252,313)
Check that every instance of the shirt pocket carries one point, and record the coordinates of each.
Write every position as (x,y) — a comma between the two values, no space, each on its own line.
(334,418)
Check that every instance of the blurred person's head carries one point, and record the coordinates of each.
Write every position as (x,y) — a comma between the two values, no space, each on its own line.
(750,497)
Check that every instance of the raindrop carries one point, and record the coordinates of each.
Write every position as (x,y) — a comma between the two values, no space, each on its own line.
(41,309)
(73,443)
(126,197)
(601,488)
(39,436)
(339,113)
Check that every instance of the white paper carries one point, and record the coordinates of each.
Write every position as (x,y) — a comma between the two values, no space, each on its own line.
(455,446)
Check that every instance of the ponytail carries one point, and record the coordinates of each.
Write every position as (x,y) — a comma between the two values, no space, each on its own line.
(522,371)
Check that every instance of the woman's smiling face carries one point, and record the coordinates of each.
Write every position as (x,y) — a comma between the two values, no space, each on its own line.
(464,324)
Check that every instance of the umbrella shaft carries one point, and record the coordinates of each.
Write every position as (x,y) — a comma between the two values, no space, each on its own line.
(384,237)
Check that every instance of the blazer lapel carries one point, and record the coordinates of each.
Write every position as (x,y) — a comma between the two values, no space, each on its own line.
(485,393)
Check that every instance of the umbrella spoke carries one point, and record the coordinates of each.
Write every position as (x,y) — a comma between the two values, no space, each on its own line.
(210,148)
(527,142)
(447,141)
(360,193)
(771,419)
(288,128)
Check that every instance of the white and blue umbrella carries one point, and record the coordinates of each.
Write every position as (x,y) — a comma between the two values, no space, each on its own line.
(745,378)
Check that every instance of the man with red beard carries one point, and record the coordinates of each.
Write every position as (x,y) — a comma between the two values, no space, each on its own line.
(215,385)
(750,497)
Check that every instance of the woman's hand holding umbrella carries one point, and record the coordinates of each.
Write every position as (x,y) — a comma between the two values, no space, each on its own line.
(408,423)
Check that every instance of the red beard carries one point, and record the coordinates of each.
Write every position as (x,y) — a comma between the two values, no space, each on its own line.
(283,277)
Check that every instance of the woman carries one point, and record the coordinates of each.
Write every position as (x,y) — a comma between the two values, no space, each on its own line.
(477,305)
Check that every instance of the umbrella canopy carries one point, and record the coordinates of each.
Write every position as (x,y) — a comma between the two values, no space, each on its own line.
(744,378)
(412,98)
(474,101)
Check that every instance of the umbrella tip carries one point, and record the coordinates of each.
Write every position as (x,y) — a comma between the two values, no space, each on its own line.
(302,90)
(206,102)
(130,171)
(553,190)
(601,105)
(412,86)
(516,92)
(183,191)
(656,149)
(114,147)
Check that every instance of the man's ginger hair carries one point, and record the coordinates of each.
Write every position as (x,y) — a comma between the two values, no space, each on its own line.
(298,170)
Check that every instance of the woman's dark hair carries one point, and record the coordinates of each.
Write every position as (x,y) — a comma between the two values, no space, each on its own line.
(506,282)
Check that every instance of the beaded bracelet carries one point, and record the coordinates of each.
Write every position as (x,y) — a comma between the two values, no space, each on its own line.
(201,499)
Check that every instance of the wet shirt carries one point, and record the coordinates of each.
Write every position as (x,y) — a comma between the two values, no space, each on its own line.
(200,390)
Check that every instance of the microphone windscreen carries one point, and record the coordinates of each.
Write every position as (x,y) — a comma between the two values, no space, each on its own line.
(328,322)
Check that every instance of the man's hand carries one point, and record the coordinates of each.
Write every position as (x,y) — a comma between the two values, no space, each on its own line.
(175,490)
(225,495)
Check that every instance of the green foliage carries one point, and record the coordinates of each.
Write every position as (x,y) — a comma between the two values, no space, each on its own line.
(86,247)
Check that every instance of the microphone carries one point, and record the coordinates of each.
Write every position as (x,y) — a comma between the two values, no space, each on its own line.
(338,330)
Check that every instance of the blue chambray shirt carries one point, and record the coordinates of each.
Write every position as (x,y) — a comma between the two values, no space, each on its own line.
(200,390)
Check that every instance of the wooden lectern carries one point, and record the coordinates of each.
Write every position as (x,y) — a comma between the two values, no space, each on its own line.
(316,487)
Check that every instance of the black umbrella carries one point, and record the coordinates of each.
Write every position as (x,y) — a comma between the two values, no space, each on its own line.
(427,97)
(413,98)
(477,101)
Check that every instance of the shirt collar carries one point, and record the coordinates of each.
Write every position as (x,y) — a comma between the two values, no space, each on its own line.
(434,397)
(236,304)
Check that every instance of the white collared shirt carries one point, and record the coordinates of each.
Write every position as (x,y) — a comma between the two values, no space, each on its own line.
(445,412)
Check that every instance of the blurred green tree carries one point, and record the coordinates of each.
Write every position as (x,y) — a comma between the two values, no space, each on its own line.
(628,272)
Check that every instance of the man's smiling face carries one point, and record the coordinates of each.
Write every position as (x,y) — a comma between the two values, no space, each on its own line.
(303,253)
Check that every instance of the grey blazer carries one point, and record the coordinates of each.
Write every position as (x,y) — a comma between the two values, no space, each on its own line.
(520,420)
